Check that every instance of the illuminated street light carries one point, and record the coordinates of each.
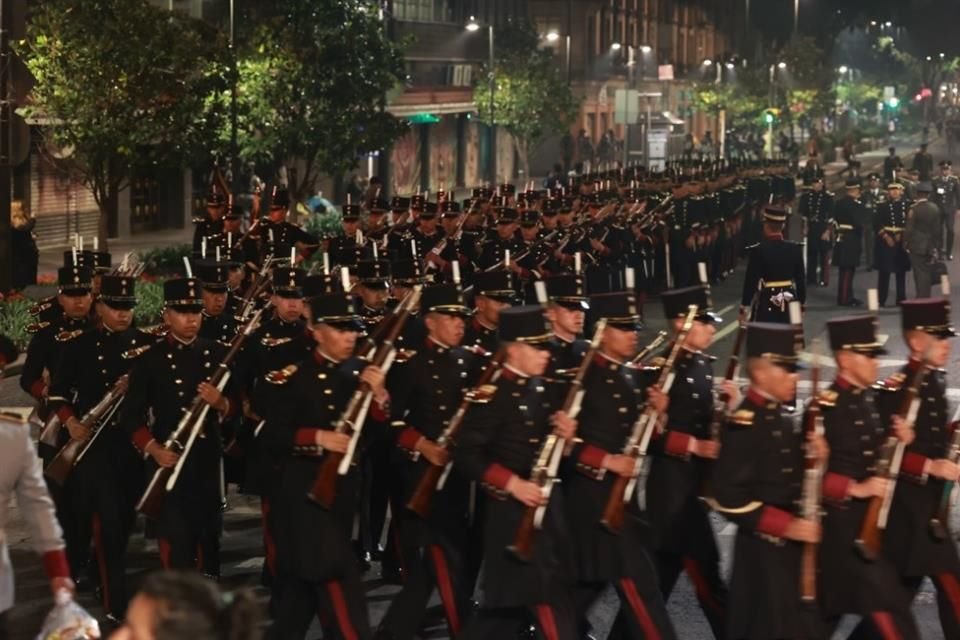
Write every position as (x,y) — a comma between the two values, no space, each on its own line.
(843,69)
(730,65)
(708,62)
(889,24)
(473,25)
(552,36)
(781,65)
(646,48)
(616,46)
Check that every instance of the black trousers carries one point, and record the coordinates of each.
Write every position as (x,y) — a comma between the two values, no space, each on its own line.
(552,621)
(643,612)
(339,604)
(701,562)
(845,286)
(883,286)
(112,522)
(190,540)
(375,494)
(818,256)
(947,585)
(948,222)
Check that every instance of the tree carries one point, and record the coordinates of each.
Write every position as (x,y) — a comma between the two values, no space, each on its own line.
(531,98)
(312,86)
(123,85)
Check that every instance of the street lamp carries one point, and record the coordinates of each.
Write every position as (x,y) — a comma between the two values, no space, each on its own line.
(553,36)
(616,46)
(473,26)
(781,65)
(646,48)
(843,70)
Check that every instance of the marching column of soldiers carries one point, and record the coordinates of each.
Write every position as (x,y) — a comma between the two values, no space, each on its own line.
(472,385)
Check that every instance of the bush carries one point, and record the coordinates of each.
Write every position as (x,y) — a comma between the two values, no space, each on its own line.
(149,303)
(166,261)
(14,319)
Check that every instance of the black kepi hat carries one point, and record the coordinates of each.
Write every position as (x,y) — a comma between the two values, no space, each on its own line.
(288,282)
(568,290)
(525,324)
(444,298)
(497,285)
(118,292)
(930,315)
(855,333)
(213,276)
(773,341)
(676,303)
(183,295)
(373,274)
(336,310)
(620,309)
(75,280)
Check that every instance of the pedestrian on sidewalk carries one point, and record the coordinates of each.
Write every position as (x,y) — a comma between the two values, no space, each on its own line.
(921,239)
(26,255)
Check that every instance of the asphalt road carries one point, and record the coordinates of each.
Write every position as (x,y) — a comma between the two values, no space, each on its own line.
(242,554)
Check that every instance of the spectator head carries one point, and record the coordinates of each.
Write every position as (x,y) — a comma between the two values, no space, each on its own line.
(172,605)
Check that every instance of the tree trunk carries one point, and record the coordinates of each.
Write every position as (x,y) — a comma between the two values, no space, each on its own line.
(107,204)
(522,147)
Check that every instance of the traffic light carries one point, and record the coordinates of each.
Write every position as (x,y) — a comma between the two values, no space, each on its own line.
(893,102)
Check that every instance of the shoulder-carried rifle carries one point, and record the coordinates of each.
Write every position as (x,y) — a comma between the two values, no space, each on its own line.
(812,479)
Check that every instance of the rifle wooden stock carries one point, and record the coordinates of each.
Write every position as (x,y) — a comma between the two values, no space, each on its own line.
(723,399)
(810,498)
(323,491)
(422,497)
(59,468)
(868,540)
(639,440)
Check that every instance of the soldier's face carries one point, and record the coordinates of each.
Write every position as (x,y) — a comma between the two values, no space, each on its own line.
(530,233)
(450,224)
(214,302)
(232,225)
(527,359)
(115,319)
(924,346)
(375,298)
(773,379)
(288,309)
(506,230)
(76,307)
(446,329)
(350,227)
(620,344)
(215,213)
(567,323)
(488,310)
(235,277)
(700,336)
(375,220)
(183,324)
(895,194)
(428,225)
(336,343)
(859,368)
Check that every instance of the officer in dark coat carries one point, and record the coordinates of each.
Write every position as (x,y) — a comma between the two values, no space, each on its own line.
(923,164)
(317,570)
(774,272)
(566,311)
(210,226)
(892,165)
(873,196)
(918,547)
(816,207)
(847,214)
(613,396)
(494,291)
(681,535)
(106,483)
(946,194)
(756,484)
(891,219)
(163,383)
(497,448)
(423,400)
(856,434)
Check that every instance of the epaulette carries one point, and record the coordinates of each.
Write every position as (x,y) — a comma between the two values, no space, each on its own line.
(482,394)
(274,342)
(892,383)
(656,363)
(742,417)
(827,398)
(281,376)
(67,336)
(38,326)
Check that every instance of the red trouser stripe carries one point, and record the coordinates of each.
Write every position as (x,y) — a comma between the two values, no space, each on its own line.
(883,621)
(704,594)
(164,546)
(269,546)
(948,582)
(341,611)
(639,610)
(446,588)
(101,561)
(548,625)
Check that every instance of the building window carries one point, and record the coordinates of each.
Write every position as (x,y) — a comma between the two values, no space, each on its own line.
(422,10)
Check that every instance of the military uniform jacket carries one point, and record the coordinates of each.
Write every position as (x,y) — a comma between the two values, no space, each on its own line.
(312,543)
(847,216)
(613,394)
(277,238)
(907,540)
(163,383)
(890,221)
(817,208)
(221,328)
(566,356)
(500,439)
(479,335)
(922,235)
(209,229)
(855,433)
(946,193)
(493,251)
(273,346)
(676,477)
(773,260)
(43,352)
(757,484)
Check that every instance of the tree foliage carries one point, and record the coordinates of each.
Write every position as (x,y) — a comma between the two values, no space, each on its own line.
(122,84)
(312,85)
(531,98)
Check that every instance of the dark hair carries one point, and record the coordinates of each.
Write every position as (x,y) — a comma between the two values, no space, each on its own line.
(191,606)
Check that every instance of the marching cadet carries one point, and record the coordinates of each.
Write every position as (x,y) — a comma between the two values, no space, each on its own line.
(343,249)
(756,484)
(373,289)
(106,483)
(209,227)
(317,570)
(217,323)
(427,234)
(916,545)
(923,164)
(377,228)
(774,274)
(48,309)
(682,536)
(891,218)
(946,193)
(497,448)
(75,299)
(847,214)
(613,397)
(855,434)
(425,398)
(493,251)
(872,198)
(163,383)
(566,311)
(816,207)
(278,236)
(494,291)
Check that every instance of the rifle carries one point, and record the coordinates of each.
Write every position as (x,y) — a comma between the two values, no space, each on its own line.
(429,265)
(544,471)
(939,521)
(324,488)
(368,347)
(869,539)
(639,441)
(434,477)
(812,478)
(647,350)
(191,424)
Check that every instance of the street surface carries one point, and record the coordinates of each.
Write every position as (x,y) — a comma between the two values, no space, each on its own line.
(242,553)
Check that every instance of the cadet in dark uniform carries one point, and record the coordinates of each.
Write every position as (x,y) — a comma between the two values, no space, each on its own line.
(343,249)
(493,251)
(424,399)
(892,165)
(497,448)
(566,311)
(494,291)
(872,198)
(756,484)
(613,396)
(774,272)
(107,482)
(373,289)
(278,236)
(317,570)
(890,222)
(217,322)
(209,227)
(915,548)
(681,535)
(164,382)
(816,206)
(946,193)
(847,214)
(856,434)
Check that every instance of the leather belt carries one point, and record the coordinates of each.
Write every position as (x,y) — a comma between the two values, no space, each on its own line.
(778,284)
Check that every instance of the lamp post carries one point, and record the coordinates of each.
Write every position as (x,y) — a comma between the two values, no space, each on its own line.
(473,26)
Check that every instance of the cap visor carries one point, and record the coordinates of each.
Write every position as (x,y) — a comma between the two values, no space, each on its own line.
(709,317)
(289,293)
(122,305)
(345,325)
(187,308)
